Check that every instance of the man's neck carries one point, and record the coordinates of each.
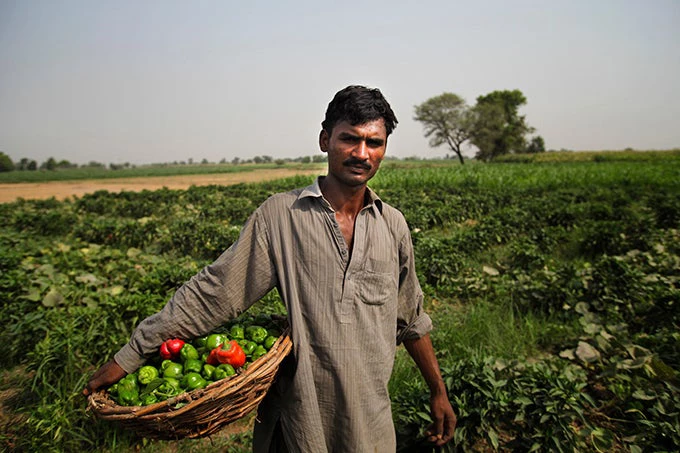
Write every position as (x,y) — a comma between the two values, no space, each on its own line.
(344,199)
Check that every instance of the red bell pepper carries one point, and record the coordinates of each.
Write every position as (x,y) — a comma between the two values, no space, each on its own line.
(230,353)
(170,349)
(212,357)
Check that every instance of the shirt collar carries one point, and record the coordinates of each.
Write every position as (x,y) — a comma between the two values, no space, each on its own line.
(314,191)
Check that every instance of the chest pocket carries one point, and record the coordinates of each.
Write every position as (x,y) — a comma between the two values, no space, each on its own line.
(378,283)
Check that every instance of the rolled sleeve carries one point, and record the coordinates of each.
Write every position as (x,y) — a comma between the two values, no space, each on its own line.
(128,359)
(420,327)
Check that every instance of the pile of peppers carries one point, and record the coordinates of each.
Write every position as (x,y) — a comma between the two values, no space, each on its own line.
(182,366)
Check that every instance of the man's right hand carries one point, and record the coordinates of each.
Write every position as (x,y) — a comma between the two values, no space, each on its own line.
(107,375)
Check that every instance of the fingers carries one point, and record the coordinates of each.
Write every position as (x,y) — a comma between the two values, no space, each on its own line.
(436,431)
(108,374)
(444,425)
(449,429)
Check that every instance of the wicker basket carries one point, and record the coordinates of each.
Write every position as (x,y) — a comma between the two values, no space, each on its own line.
(201,412)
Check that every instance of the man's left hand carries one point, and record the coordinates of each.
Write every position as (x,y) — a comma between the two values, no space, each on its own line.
(444,420)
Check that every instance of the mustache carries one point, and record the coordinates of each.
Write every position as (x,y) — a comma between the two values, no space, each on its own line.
(354,162)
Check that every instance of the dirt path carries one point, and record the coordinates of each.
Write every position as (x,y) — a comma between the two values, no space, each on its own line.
(64,189)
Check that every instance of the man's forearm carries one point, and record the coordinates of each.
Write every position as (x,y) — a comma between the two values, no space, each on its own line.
(443,417)
(422,352)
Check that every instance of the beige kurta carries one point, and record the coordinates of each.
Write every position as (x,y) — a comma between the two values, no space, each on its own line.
(346,316)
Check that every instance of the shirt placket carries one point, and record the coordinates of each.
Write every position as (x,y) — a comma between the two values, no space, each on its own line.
(351,283)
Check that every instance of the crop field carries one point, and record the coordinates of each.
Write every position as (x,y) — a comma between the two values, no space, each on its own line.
(554,288)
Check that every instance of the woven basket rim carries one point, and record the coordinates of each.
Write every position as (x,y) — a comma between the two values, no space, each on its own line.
(253,382)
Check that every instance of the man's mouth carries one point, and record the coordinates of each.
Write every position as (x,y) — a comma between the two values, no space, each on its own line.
(353,163)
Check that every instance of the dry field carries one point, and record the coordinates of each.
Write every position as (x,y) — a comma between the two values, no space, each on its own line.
(65,189)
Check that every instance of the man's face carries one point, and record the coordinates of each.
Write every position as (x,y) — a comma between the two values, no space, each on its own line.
(354,152)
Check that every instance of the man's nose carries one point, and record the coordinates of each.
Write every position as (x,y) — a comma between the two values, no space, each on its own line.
(361,150)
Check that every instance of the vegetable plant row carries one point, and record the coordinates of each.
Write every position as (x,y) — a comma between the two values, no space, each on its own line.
(553,288)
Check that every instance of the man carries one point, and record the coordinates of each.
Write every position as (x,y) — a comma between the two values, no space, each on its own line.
(342,261)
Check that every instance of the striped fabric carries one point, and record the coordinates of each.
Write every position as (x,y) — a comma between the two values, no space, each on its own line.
(347,312)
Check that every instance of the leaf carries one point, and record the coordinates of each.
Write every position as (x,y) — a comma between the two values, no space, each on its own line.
(581,308)
(592,328)
(568,354)
(33,295)
(89,302)
(493,437)
(425,416)
(660,369)
(587,353)
(490,270)
(53,298)
(88,279)
(133,252)
(636,351)
(151,386)
(523,400)
(642,395)
(46,269)
(116,290)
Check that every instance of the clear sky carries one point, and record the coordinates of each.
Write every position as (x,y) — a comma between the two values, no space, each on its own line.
(162,81)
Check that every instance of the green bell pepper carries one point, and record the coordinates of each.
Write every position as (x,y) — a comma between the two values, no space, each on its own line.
(237,332)
(208,371)
(193,381)
(113,390)
(256,334)
(269,342)
(214,340)
(149,398)
(224,370)
(173,370)
(165,363)
(248,347)
(169,388)
(199,342)
(193,365)
(128,391)
(147,374)
(188,352)
(258,352)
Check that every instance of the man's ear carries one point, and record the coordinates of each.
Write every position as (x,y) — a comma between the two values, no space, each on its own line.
(323,140)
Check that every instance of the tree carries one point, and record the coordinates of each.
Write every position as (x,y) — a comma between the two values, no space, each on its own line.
(6,163)
(446,119)
(27,164)
(498,127)
(49,164)
(536,145)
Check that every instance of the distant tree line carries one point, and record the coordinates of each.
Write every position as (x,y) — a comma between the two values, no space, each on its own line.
(493,125)
(6,163)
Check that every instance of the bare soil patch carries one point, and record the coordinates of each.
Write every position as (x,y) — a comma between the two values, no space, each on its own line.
(66,189)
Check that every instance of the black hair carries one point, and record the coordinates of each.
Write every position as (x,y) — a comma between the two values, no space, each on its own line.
(357,105)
